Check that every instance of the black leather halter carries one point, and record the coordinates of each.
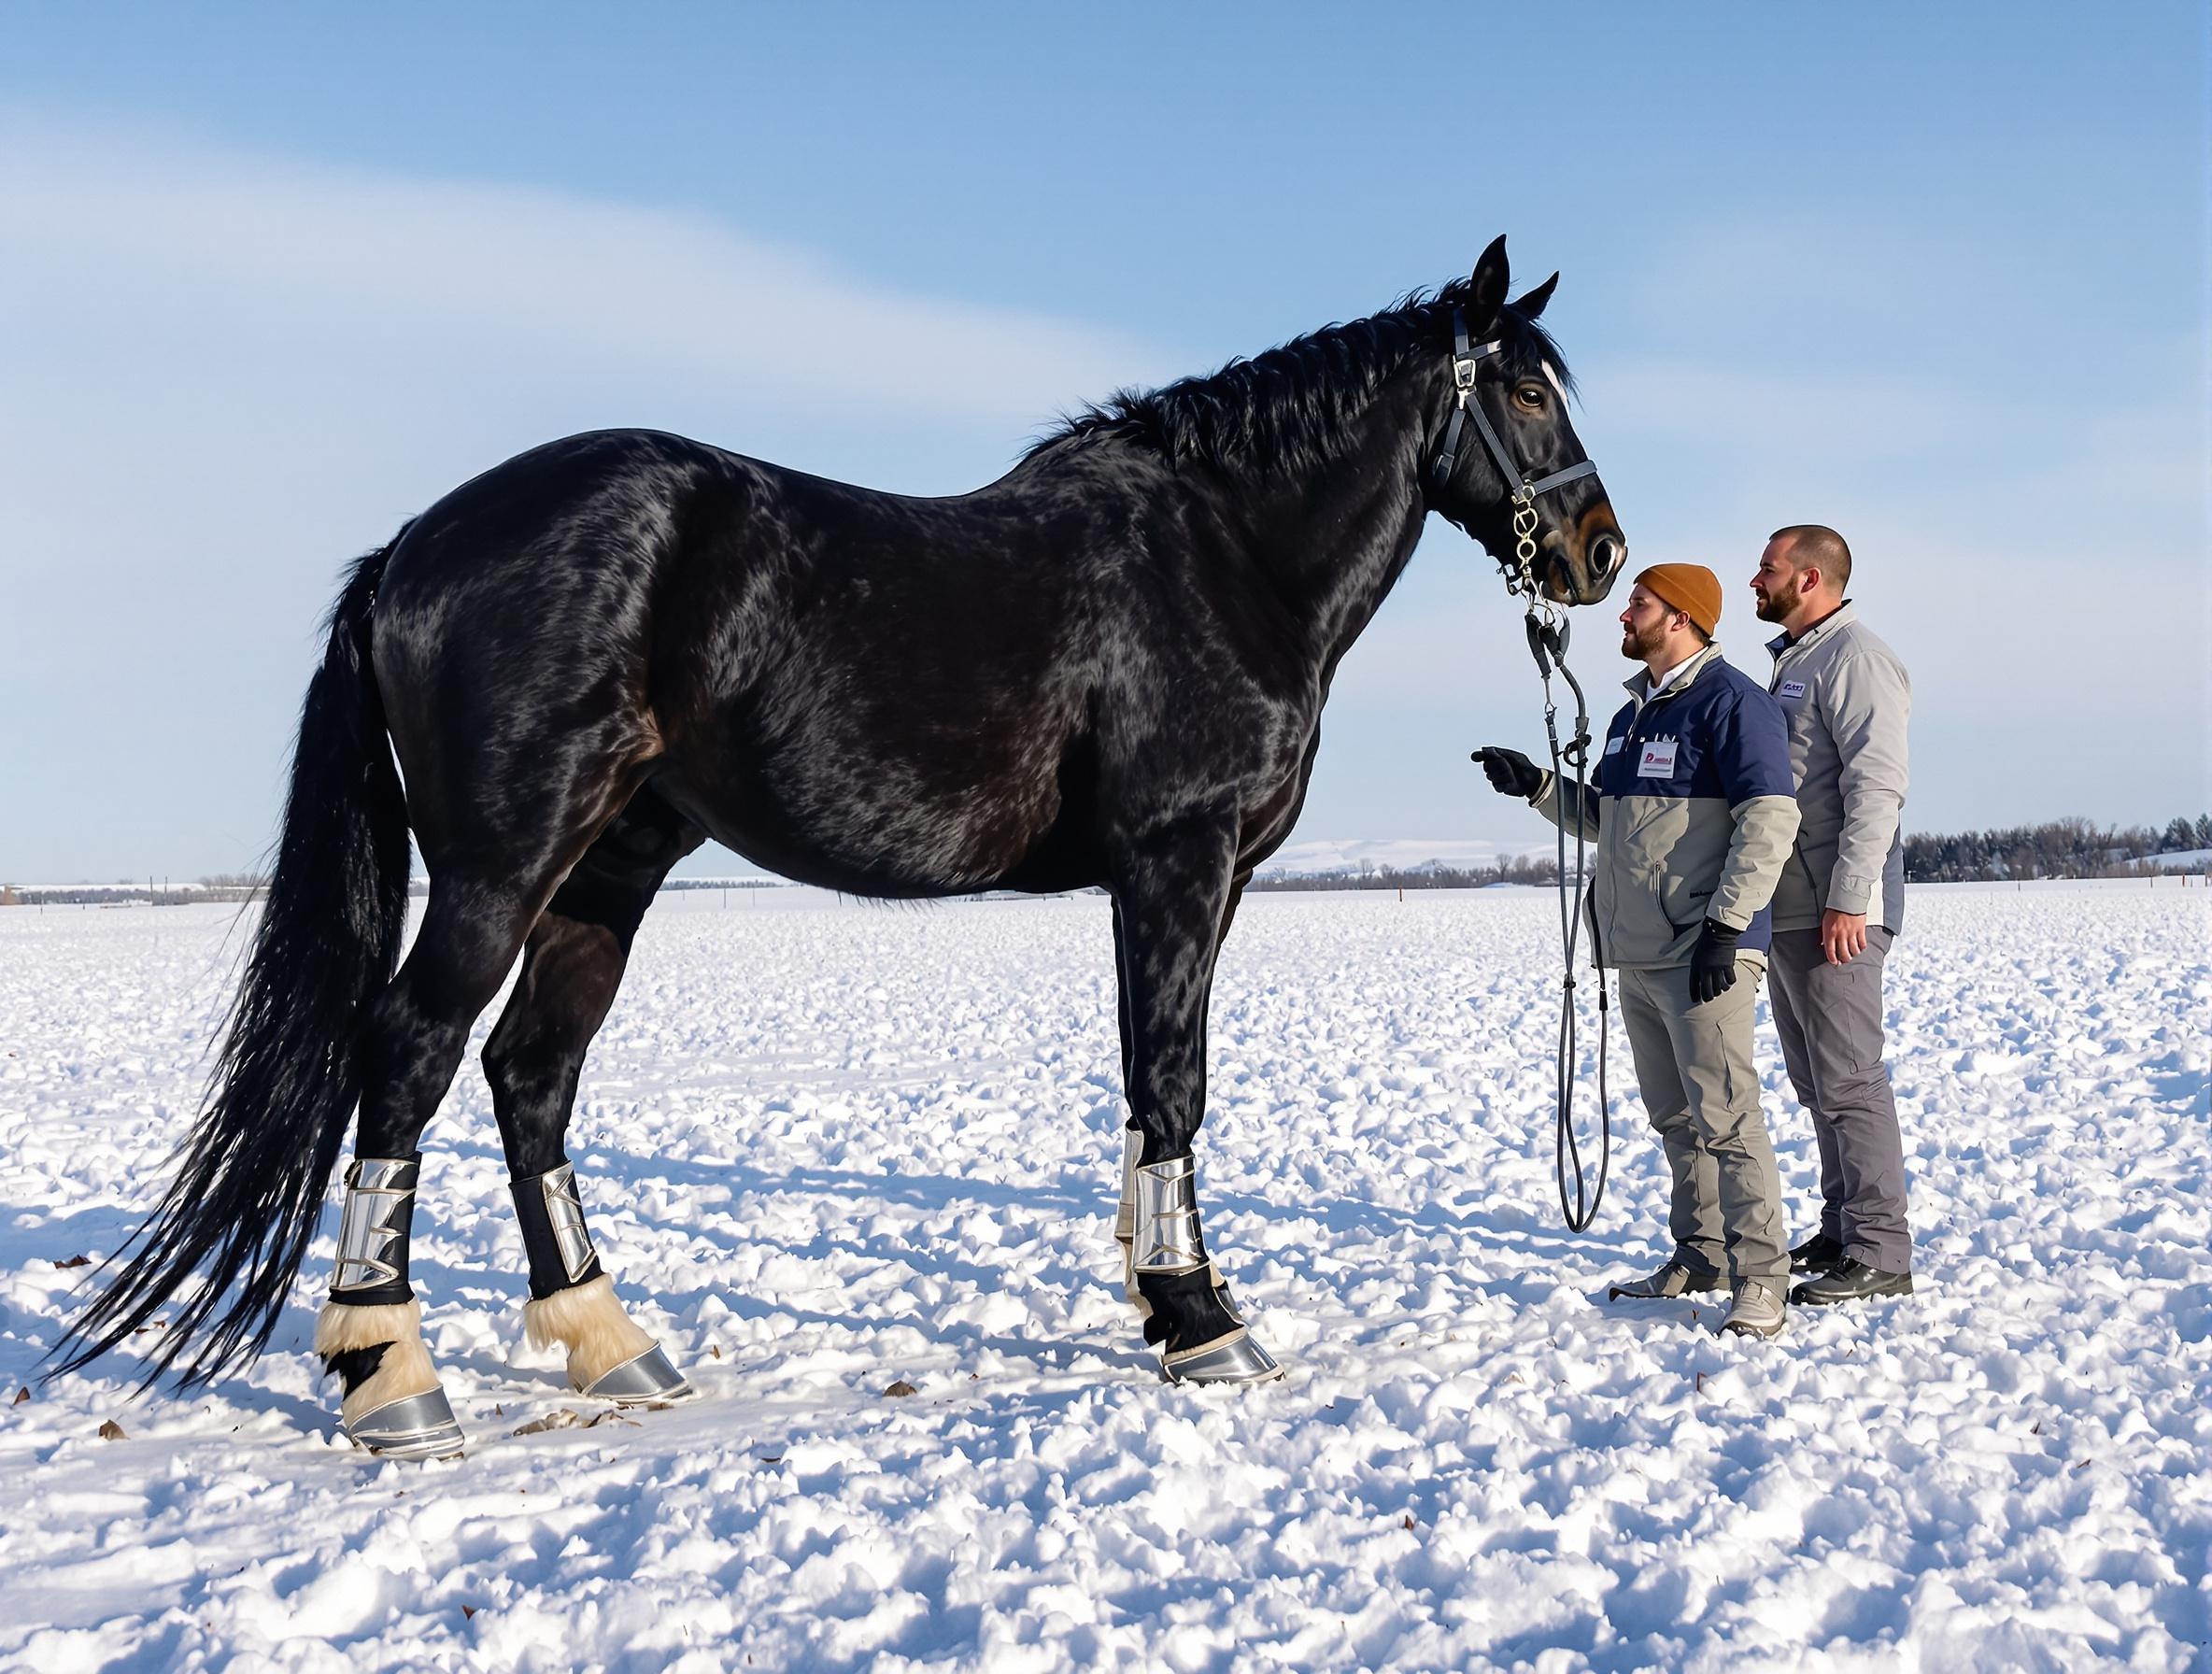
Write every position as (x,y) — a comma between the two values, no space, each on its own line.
(1463,357)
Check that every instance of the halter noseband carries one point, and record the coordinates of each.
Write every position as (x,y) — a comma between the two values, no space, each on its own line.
(1463,357)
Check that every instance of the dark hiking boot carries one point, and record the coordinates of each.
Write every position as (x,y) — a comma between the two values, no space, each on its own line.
(1852,1281)
(1673,1280)
(1816,1254)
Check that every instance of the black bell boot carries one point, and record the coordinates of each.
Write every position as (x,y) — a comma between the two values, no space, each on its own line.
(1816,1254)
(1851,1282)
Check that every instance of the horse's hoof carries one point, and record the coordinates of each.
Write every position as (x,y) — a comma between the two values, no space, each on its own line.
(415,1426)
(650,1379)
(1237,1358)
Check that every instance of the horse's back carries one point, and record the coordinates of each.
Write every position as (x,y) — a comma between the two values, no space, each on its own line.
(872,690)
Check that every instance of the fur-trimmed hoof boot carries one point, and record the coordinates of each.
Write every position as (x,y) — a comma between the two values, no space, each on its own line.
(415,1426)
(651,1379)
(394,1404)
(610,1357)
(1237,1358)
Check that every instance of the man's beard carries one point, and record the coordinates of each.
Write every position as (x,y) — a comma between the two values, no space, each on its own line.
(1774,605)
(1637,646)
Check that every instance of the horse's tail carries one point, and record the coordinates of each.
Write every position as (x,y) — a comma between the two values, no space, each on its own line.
(247,1196)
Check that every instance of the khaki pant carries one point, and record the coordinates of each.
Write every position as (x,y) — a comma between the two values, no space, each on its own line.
(1694,1068)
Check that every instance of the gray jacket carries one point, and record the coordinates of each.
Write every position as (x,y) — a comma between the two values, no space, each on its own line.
(1848,699)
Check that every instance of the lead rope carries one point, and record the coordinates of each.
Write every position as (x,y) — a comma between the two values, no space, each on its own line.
(1547,641)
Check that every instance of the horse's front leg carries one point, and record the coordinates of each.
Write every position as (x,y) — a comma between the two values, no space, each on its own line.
(1173,898)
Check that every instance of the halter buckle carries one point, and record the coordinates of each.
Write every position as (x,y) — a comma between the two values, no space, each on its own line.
(1463,375)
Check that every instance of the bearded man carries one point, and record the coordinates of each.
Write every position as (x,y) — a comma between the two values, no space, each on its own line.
(1840,905)
(1693,813)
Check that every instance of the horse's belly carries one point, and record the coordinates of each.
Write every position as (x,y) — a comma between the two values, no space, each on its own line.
(869,823)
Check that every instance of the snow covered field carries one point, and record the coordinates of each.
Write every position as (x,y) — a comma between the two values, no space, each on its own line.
(828,1146)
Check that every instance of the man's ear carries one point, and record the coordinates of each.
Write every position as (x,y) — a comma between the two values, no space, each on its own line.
(1533,304)
(1808,576)
(1492,279)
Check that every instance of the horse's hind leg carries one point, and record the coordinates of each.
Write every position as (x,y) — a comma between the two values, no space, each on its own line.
(370,1331)
(483,902)
(571,969)
(1174,894)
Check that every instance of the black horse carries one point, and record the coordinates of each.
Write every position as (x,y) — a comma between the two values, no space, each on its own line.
(1106,668)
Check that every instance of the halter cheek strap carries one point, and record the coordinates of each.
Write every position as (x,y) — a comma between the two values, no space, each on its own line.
(1464,358)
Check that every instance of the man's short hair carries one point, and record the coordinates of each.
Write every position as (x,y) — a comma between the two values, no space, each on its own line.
(1815,546)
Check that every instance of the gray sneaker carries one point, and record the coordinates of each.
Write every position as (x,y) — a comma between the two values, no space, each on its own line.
(1673,1280)
(1754,1310)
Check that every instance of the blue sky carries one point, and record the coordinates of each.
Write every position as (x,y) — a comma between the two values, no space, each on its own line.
(278,277)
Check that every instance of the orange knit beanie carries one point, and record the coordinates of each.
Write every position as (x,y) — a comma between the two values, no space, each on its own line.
(1691,588)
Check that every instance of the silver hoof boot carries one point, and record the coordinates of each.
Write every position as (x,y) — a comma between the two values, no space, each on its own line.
(1166,1238)
(1124,1221)
(651,1379)
(1167,1241)
(1125,1213)
(1237,1358)
(415,1426)
(372,1229)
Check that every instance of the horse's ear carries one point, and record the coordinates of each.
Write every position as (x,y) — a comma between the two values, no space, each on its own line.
(1533,304)
(1493,279)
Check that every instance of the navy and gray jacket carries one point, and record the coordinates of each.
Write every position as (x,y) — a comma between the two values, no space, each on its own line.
(1693,811)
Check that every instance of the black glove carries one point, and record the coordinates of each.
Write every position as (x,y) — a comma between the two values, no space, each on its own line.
(1712,963)
(1510,772)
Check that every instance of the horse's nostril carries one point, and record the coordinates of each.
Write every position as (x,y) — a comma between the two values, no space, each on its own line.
(1609,555)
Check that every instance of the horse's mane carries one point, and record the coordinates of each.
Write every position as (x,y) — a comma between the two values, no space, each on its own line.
(1288,407)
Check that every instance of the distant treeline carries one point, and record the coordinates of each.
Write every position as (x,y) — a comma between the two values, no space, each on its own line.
(2060,849)
(668,883)
(164,893)
(1524,869)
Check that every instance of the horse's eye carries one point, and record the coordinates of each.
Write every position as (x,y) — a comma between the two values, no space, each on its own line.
(1529,396)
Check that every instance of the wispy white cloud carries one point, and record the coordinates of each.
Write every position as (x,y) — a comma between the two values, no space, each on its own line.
(223,372)
(661,284)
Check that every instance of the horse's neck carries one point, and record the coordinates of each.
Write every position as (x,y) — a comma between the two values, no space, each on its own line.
(1335,539)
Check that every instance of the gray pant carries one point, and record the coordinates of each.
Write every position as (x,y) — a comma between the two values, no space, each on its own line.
(1694,1068)
(1829,1018)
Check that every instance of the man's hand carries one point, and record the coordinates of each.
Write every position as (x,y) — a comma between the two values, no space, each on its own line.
(1510,772)
(1843,935)
(1712,963)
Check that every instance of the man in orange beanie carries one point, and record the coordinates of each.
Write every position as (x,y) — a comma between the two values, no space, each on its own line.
(1692,811)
